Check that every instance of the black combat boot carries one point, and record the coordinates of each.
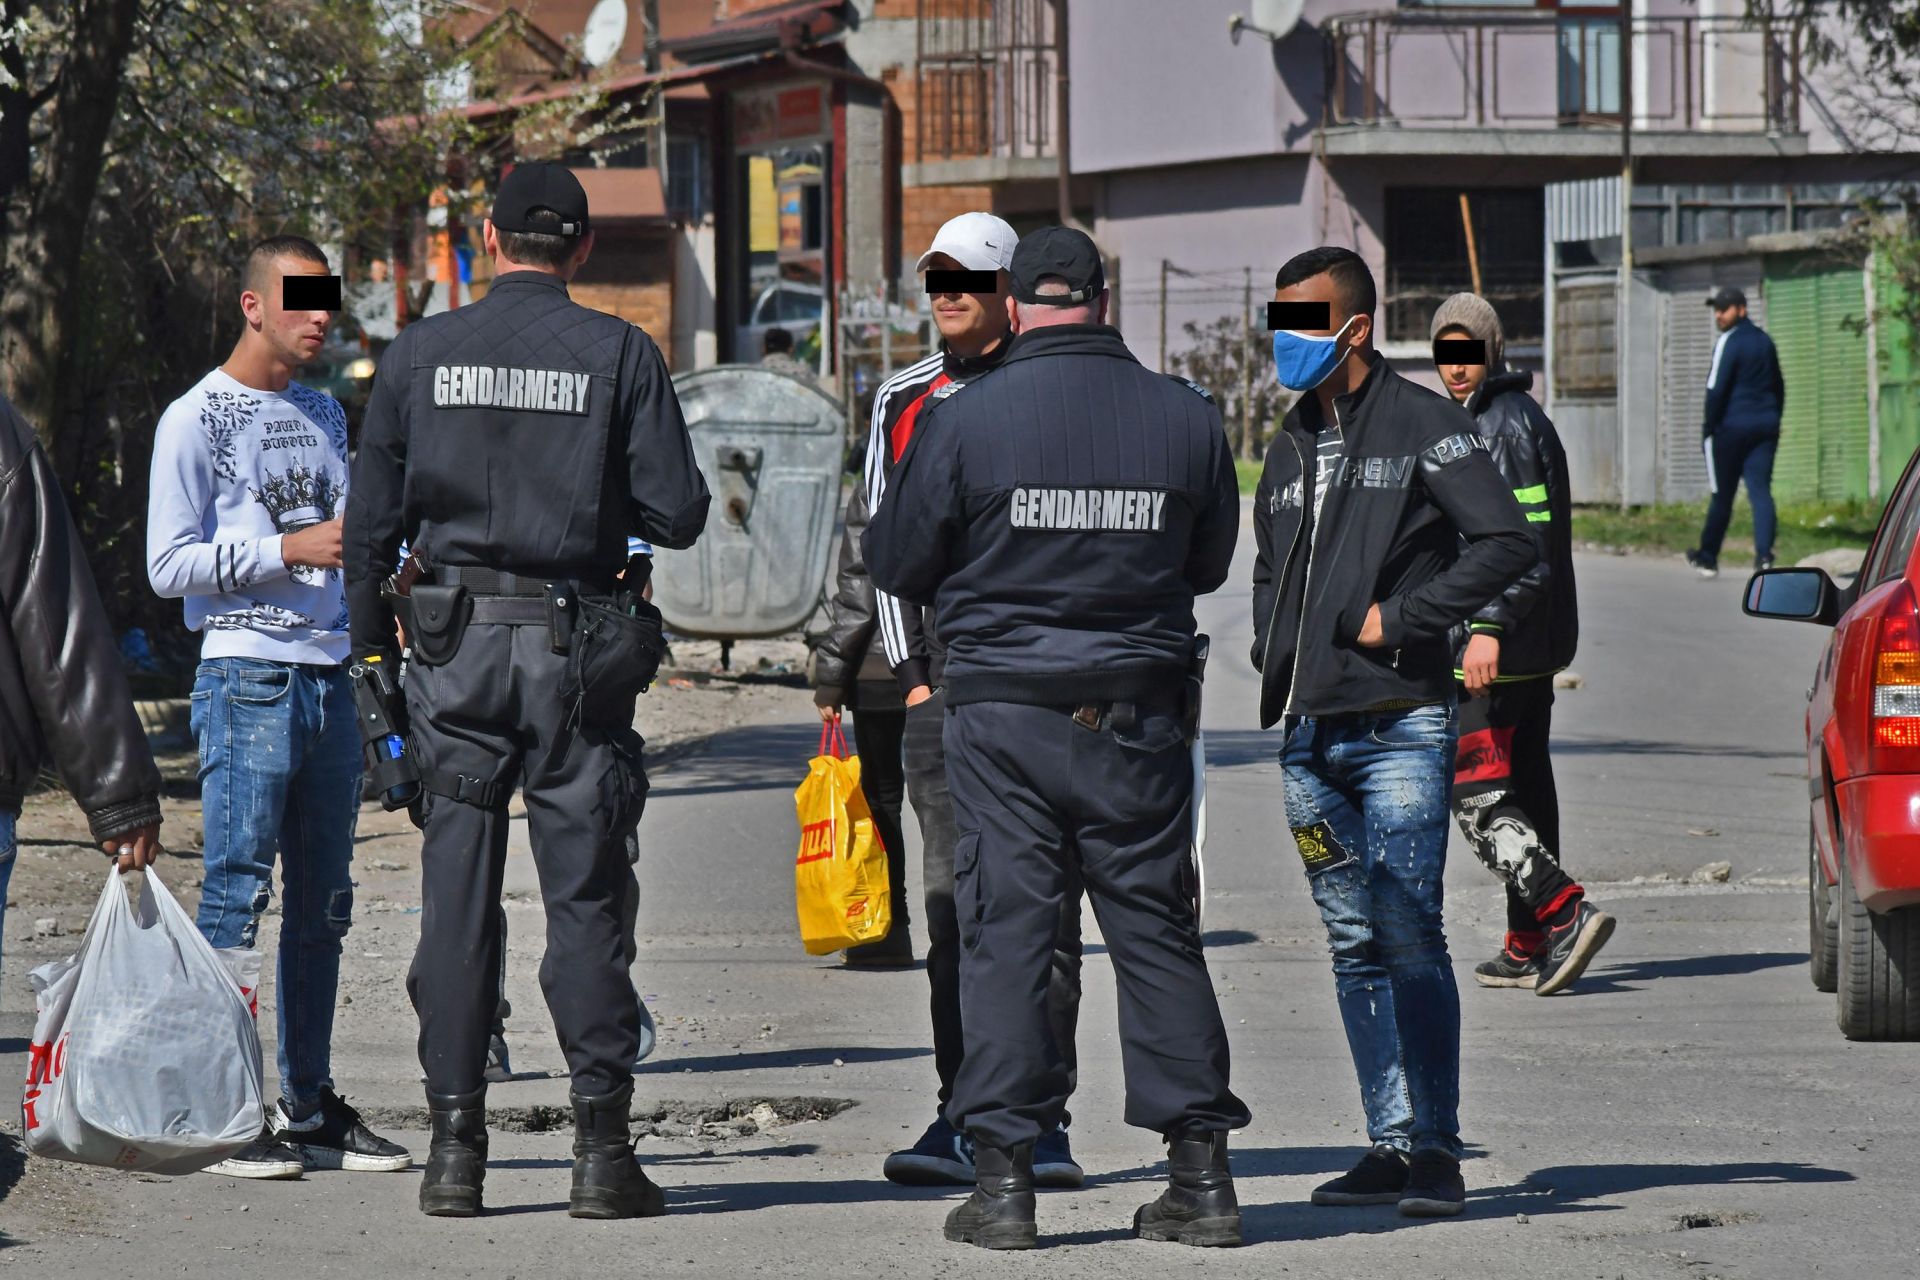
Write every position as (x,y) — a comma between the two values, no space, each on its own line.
(999,1213)
(607,1181)
(457,1155)
(1198,1207)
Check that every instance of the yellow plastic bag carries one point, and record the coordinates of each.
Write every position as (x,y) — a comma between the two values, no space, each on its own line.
(840,875)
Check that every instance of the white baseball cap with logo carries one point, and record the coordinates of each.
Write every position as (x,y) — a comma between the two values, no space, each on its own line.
(977,241)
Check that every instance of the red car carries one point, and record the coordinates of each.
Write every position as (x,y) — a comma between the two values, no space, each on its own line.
(1863,770)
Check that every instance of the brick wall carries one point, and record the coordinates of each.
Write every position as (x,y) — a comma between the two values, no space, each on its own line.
(631,276)
(923,209)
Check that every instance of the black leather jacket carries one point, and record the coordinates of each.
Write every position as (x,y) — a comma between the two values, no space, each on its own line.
(1537,618)
(63,696)
(848,667)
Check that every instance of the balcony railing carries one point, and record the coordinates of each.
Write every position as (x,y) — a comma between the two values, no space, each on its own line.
(1520,70)
(984,79)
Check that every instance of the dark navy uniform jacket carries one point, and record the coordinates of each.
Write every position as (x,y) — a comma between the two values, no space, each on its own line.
(523,433)
(1060,514)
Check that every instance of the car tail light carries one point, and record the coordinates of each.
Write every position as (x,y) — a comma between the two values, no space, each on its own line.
(1896,686)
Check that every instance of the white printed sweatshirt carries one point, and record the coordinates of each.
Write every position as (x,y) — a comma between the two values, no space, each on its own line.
(235,469)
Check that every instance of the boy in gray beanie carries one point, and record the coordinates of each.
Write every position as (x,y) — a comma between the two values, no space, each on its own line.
(1503,790)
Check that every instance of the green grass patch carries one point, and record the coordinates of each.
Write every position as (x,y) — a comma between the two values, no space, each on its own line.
(1249,473)
(1805,528)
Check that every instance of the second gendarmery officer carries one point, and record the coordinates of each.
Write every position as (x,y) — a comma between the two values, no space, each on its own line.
(514,444)
(1060,514)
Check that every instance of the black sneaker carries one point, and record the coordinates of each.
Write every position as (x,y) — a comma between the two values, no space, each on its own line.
(1505,971)
(1053,1162)
(499,1069)
(1434,1187)
(1762,562)
(265,1157)
(1571,947)
(942,1158)
(1702,565)
(1379,1178)
(334,1138)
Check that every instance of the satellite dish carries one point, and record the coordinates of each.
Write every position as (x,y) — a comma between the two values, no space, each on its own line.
(606,31)
(1271,19)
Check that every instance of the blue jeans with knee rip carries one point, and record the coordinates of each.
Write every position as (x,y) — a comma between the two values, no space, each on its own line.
(280,775)
(1367,799)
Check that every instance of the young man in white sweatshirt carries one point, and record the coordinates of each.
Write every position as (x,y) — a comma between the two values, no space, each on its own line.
(248,486)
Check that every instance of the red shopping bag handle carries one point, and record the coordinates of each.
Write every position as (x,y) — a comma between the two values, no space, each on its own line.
(833,740)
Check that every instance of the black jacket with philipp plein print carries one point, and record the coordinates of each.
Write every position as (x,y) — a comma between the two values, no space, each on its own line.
(1416,519)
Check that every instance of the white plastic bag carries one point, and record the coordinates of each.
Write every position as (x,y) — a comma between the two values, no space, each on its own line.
(144,1051)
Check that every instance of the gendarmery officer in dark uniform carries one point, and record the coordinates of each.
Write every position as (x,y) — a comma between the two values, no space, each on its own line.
(1060,514)
(514,444)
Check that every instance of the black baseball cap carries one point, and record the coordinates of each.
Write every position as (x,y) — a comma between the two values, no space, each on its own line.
(541,197)
(1726,296)
(1057,251)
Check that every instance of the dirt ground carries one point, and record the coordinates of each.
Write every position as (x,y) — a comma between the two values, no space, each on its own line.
(58,875)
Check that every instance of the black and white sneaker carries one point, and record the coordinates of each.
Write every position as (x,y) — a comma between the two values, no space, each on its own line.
(1379,1178)
(1053,1162)
(1572,947)
(335,1138)
(942,1158)
(265,1157)
(1504,970)
(1702,565)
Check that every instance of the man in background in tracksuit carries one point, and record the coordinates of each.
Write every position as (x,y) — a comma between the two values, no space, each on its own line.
(1745,398)
(974,333)
(1061,514)
(1381,524)
(1503,791)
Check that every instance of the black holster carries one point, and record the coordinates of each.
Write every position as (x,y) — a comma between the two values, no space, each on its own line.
(441,612)
(1196,683)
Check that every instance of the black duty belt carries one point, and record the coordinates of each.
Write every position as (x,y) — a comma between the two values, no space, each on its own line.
(514,611)
(492,582)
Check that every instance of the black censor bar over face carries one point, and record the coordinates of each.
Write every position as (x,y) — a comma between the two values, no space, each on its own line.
(310,293)
(1459,351)
(962,282)
(1299,315)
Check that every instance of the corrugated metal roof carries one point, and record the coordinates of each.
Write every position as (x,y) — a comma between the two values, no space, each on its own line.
(1588,209)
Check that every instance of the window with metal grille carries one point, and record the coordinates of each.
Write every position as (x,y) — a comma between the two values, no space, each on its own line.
(1428,257)
(1583,341)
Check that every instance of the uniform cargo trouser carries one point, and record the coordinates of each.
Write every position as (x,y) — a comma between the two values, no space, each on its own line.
(1507,806)
(1037,793)
(494,716)
(926,768)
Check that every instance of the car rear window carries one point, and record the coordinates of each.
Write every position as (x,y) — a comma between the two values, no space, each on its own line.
(1887,558)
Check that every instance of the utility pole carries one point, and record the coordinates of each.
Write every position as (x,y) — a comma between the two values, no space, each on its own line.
(1624,309)
(1163,314)
(1246,367)
(657,127)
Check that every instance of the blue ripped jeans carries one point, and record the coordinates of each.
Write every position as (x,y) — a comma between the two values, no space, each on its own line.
(1367,802)
(280,774)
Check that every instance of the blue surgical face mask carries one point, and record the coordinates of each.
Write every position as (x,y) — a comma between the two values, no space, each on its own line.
(1303,361)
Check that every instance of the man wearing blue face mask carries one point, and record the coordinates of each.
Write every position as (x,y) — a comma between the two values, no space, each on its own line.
(1381,522)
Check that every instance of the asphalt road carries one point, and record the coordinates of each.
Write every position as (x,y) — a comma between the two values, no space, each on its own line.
(1690,1111)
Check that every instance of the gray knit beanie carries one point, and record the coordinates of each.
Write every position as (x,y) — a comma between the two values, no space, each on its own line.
(1476,315)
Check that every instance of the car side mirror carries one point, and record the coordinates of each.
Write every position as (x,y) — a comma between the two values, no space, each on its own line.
(1796,595)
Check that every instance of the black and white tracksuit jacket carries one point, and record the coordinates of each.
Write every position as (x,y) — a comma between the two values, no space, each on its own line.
(906,631)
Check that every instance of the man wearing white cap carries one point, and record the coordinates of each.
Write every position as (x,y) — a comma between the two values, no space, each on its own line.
(967,281)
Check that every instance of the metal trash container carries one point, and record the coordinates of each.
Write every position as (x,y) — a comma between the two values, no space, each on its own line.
(770,449)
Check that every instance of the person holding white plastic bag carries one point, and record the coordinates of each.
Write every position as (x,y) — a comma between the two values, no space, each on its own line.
(63,696)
